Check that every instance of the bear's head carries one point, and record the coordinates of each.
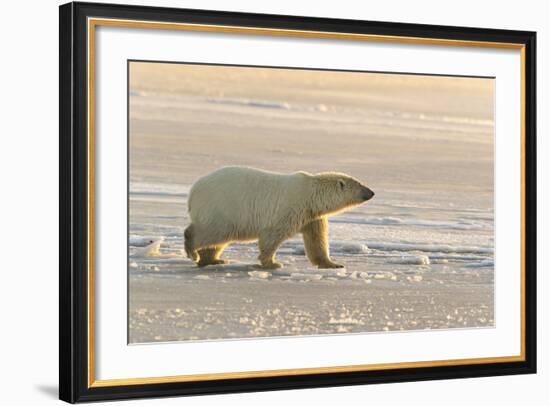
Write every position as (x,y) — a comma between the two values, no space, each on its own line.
(335,192)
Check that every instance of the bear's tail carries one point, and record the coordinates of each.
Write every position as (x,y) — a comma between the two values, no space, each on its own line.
(189,246)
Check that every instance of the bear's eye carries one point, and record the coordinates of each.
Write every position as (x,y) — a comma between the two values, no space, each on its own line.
(342,184)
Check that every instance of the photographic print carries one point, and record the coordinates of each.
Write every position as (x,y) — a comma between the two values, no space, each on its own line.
(273,202)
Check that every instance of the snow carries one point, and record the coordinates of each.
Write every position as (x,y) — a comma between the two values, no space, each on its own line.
(150,250)
(411,260)
(260,274)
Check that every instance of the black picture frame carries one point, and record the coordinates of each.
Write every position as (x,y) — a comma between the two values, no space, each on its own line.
(74,200)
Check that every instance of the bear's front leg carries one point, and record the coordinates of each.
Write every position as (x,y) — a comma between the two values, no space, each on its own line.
(315,235)
(269,241)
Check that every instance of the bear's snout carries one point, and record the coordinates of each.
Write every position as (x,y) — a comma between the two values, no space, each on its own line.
(367,194)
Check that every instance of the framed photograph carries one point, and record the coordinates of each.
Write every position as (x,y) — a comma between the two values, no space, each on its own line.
(257,202)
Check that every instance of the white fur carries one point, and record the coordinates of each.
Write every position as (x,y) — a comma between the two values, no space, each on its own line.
(243,201)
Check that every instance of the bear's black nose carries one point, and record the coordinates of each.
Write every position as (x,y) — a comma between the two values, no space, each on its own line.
(367,194)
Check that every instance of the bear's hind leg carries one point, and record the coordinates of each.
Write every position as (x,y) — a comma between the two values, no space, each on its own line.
(211,256)
(189,239)
(315,235)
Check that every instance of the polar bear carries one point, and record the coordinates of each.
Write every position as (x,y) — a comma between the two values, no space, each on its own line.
(246,204)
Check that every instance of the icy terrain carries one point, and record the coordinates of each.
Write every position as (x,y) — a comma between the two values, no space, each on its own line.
(418,256)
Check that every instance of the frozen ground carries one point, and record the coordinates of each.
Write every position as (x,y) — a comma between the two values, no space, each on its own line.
(418,256)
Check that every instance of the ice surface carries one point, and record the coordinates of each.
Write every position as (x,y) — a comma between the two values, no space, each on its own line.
(353,248)
(383,246)
(411,260)
(150,250)
(139,241)
(481,264)
(460,225)
(251,103)
(260,274)
(305,276)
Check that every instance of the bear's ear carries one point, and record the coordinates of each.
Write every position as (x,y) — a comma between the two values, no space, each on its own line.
(342,184)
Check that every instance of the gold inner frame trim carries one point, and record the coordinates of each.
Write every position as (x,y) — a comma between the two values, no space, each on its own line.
(94,22)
